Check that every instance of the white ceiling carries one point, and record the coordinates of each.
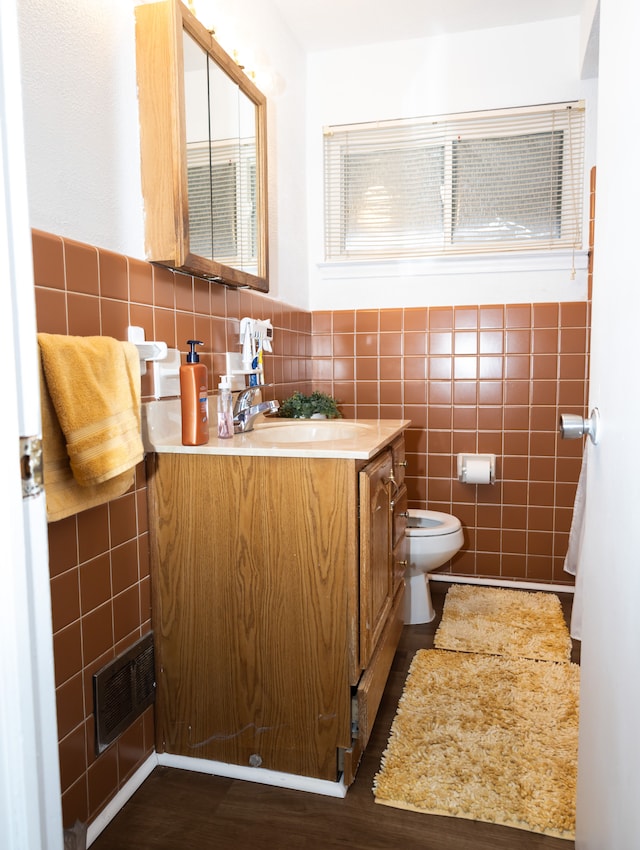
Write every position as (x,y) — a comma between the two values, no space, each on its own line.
(328,24)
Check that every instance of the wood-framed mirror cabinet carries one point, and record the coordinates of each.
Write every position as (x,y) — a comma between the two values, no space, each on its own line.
(203,151)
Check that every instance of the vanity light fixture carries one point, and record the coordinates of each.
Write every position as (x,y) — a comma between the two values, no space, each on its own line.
(202,16)
(204,12)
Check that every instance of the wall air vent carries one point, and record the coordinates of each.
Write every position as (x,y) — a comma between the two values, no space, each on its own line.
(122,690)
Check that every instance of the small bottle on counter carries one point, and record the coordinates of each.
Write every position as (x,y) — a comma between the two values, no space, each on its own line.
(194,401)
(225,407)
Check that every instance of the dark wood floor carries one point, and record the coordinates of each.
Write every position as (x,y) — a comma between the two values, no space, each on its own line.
(179,809)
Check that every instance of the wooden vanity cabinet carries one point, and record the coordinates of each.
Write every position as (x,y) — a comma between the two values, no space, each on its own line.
(276,607)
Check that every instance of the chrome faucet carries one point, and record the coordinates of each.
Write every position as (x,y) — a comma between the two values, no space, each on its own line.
(245,412)
(244,400)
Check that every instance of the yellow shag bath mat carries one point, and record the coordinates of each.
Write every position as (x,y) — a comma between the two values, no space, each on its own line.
(487,738)
(515,623)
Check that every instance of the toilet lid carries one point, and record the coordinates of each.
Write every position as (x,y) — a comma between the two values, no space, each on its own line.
(431,524)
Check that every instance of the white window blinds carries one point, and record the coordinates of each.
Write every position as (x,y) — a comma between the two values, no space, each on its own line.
(222,202)
(507,180)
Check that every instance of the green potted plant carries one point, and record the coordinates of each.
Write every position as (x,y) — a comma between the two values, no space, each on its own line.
(315,406)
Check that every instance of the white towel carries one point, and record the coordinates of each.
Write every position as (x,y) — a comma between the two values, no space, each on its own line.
(574,550)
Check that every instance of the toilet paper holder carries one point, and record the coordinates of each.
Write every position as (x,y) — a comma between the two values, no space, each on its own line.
(572,426)
(476,469)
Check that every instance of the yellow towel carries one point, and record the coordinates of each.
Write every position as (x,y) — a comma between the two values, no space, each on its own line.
(64,496)
(94,386)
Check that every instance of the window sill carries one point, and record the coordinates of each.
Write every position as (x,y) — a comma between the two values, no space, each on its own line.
(460,265)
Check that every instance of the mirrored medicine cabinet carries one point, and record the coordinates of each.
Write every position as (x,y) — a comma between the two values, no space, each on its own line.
(203,151)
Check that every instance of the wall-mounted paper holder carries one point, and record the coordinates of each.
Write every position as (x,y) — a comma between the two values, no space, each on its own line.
(147,349)
(572,426)
(476,469)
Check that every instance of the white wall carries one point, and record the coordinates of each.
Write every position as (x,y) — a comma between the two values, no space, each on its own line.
(81,124)
(505,67)
(81,121)
(589,36)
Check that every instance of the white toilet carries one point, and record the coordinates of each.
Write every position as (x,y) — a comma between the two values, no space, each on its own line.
(432,539)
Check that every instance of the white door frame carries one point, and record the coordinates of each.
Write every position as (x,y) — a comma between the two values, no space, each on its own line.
(608,799)
(30,808)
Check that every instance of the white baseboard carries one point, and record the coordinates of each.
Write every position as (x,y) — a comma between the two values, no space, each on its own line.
(124,794)
(255,774)
(214,768)
(500,582)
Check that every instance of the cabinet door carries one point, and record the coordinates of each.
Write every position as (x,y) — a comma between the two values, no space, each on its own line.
(203,151)
(251,562)
(376,569)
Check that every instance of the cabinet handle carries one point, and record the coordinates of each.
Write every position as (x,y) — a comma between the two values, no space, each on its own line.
(391,480)
(401,463)
(402,563)
(404,514)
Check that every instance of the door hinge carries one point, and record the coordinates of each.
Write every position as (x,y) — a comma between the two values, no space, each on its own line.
(31,466)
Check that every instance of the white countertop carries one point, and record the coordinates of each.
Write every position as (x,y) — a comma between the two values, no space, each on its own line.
(272,437)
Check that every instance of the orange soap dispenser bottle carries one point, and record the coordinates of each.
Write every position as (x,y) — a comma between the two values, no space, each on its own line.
(194,401)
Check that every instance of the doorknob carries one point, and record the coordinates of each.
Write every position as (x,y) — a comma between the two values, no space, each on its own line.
(573,426)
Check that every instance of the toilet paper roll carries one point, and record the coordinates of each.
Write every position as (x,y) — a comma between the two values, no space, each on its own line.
(477,470)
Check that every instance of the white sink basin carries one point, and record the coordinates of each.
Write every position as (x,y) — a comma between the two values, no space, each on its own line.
(309,431)
(272,436)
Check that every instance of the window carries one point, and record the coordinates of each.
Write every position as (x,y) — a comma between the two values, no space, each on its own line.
(509,180)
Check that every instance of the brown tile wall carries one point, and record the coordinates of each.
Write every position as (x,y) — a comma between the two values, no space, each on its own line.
(487,379)
(99,558)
